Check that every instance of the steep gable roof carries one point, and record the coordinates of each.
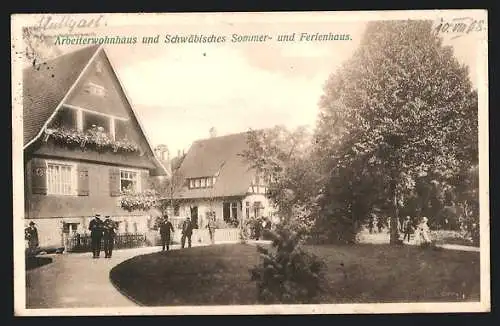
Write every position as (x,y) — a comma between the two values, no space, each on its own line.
(46,86)
(217,156)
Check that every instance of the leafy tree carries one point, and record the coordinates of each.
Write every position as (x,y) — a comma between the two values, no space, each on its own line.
(401,108)
(466,195)
(284,158)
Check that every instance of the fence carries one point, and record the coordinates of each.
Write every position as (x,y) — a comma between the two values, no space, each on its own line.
(83,243)
(221,235)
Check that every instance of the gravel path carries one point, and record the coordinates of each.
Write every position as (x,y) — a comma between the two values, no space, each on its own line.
(78,281)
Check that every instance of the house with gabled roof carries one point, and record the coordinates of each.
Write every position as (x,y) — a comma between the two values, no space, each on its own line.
(217,178)
(83,146)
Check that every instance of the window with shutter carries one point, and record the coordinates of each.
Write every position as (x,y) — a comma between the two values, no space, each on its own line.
(144,180)
(83,181)
(39,176)
(114,182)
(61,178)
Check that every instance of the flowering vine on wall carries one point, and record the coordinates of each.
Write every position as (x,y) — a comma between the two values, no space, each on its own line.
(143,201)
(95,139)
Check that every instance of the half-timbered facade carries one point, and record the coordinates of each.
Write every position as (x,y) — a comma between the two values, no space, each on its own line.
(216,178)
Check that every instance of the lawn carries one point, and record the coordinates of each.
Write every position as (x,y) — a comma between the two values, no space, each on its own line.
(218,275)
(450,237)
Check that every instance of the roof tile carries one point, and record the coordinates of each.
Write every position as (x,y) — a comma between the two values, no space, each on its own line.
(45,85)
(218,155)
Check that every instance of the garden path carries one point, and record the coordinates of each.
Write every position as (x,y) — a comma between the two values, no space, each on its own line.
(77,280)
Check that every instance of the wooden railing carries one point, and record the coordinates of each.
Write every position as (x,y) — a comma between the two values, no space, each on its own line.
(83,243)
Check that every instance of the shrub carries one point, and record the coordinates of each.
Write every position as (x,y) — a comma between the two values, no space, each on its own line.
(287,274)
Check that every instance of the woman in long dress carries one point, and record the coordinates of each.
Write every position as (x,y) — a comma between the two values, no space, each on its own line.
(423,232)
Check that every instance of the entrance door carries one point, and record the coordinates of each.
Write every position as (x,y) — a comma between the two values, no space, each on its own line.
(226,212)
(194,216)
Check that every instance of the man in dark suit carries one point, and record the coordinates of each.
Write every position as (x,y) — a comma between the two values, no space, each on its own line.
(187,232)
(96,230)
(31,234)
(109,236)
(166,229)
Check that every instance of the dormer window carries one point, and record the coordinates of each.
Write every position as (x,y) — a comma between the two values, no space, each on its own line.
(205,182)
(95,89)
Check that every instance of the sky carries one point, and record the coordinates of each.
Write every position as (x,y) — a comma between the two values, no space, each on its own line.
(181,91)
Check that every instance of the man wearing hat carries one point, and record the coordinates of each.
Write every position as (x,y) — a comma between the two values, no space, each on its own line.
(187,232)
(109,236)
(407,229)
(165,231)
(96,231)
(31,234)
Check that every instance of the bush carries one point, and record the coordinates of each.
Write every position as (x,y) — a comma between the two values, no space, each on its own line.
(287,274)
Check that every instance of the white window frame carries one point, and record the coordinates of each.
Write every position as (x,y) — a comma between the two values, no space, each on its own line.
(73,178)
(95,89)
(137,173)
(205,182)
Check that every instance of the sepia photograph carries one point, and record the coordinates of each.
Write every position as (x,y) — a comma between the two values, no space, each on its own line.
(250,163)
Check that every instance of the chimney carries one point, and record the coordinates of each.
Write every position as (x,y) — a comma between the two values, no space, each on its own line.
(213,132)
(166,154)
(161,152)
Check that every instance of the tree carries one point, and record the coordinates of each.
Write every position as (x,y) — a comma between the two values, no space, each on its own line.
(284,158)
(401,108)
(466,195)
(167,188)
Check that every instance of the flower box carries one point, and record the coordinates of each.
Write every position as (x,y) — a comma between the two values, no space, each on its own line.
(94,139)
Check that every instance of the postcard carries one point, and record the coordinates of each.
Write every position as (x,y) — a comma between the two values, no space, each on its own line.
(250,163)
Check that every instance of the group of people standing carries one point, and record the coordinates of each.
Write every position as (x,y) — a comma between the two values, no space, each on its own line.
(407,228)
(421,230)
(166,229)
(102,230)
